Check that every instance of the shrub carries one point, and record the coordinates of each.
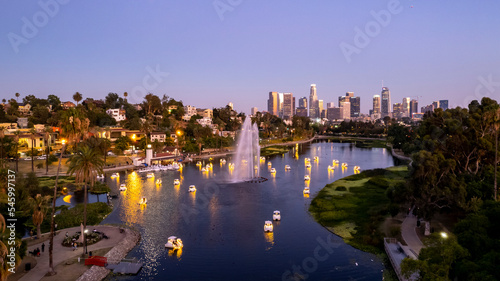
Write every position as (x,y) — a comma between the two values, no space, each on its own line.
(333,215)
(395,231)
(341,188)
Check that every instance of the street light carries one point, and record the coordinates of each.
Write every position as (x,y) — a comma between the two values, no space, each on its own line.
(444,235)
(85,239)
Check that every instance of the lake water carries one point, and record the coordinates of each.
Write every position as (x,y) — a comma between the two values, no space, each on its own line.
(221,224)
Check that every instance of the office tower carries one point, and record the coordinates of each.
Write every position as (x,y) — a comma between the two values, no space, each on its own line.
(443,104)
(272,103)
(334,113)
(303,102)
(230,104)
(254,111)
(376,104)
(320,106)
(346,110)
(413,107)
(385,106)
(406,107)
(330,105)
(288,110)
(435,104)
(301,111)
(397,110)
(313,102)
(354,101)
(427,108)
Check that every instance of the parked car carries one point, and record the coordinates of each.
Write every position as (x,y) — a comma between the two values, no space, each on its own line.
(27,158)
(43,157)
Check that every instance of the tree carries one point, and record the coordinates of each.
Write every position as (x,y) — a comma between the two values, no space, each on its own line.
(16,146)
(46,133)
(32,137)
(55,102)
(122,143)
(17,96)
(85,164)
(125,95)
(2,136)
(435,260)
(77,97)
(38,203)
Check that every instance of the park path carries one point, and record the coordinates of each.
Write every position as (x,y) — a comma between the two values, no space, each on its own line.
(410,235)
(61,253)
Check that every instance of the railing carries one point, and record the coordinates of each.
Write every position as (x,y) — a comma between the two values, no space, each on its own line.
(396,267)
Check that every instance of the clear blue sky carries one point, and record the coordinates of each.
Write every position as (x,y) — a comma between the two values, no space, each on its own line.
(435,49)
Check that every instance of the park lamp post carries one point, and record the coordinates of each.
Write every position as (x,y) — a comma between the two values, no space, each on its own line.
(85,240)
(444,235)
(133,140)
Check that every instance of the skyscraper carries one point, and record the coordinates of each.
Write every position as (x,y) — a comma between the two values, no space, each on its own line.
(376,104)
(303,102)
(254,111)
(354,101)
(413,107)
(397,110)
(385,107)
(405,109)
(443,104)
(273,103)
(313,102)
(320,106)
(288,106)
(346,109)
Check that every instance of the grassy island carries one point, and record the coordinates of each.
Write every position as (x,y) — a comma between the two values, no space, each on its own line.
(354,207)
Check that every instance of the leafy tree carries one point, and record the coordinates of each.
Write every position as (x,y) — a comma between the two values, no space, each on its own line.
(39,206)
(40,114)
(152,104)
(55,102)
(435,259)
(122,143)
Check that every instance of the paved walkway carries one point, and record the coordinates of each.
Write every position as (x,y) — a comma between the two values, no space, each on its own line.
(410,235)
(61,253)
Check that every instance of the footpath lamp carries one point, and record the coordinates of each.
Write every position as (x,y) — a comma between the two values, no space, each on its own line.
(85,232)
(133,140)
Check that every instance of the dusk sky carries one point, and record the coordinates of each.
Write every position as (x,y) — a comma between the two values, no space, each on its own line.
(240,50)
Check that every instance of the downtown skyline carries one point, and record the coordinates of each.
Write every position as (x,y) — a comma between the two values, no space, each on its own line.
(194,52)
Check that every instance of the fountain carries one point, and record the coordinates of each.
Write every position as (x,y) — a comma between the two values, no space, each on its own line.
(247,154)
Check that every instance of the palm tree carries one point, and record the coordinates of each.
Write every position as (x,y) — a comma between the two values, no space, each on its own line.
(77,97)
(32,136)
(47,131)
(39,210)
(16,140)
(52,220)
(125,95)
(4,100)
(3,252)
(496,125)
(2,135)
(17,97)
(85,164)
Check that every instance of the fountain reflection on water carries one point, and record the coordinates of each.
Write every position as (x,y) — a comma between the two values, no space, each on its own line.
(247,153)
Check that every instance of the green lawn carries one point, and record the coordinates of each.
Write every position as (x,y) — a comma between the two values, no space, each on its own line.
(355,206)
(274,150)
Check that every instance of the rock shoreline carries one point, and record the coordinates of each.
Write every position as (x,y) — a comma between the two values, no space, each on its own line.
(115,255)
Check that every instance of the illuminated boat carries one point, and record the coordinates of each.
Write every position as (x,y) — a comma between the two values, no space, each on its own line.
(115,175)
(308,166)
(276,215)
(123,187)
(287,168)
(268,226)
(331,168)
(356,168)
(273,170)
(174,243)
(143,201)
(150,175)
(192,188)
(269,164)
(100,177)
(306,190)
(316,158)
(262,158)
(223,161)
(307,178)
(198,163)
(203,169)
(177,182)
(344,165)
(158,181)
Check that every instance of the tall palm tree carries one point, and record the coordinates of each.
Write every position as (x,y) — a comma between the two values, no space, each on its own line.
(3,252)
(85,164)
(17,97)
(46,133)
(2,135)
(39,210)
(125,95)
(52,220)
(77,97)
(32,137)
(16,140)
(496,125)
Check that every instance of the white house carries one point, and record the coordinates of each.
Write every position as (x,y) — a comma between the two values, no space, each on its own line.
(158,136)
(117,114)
